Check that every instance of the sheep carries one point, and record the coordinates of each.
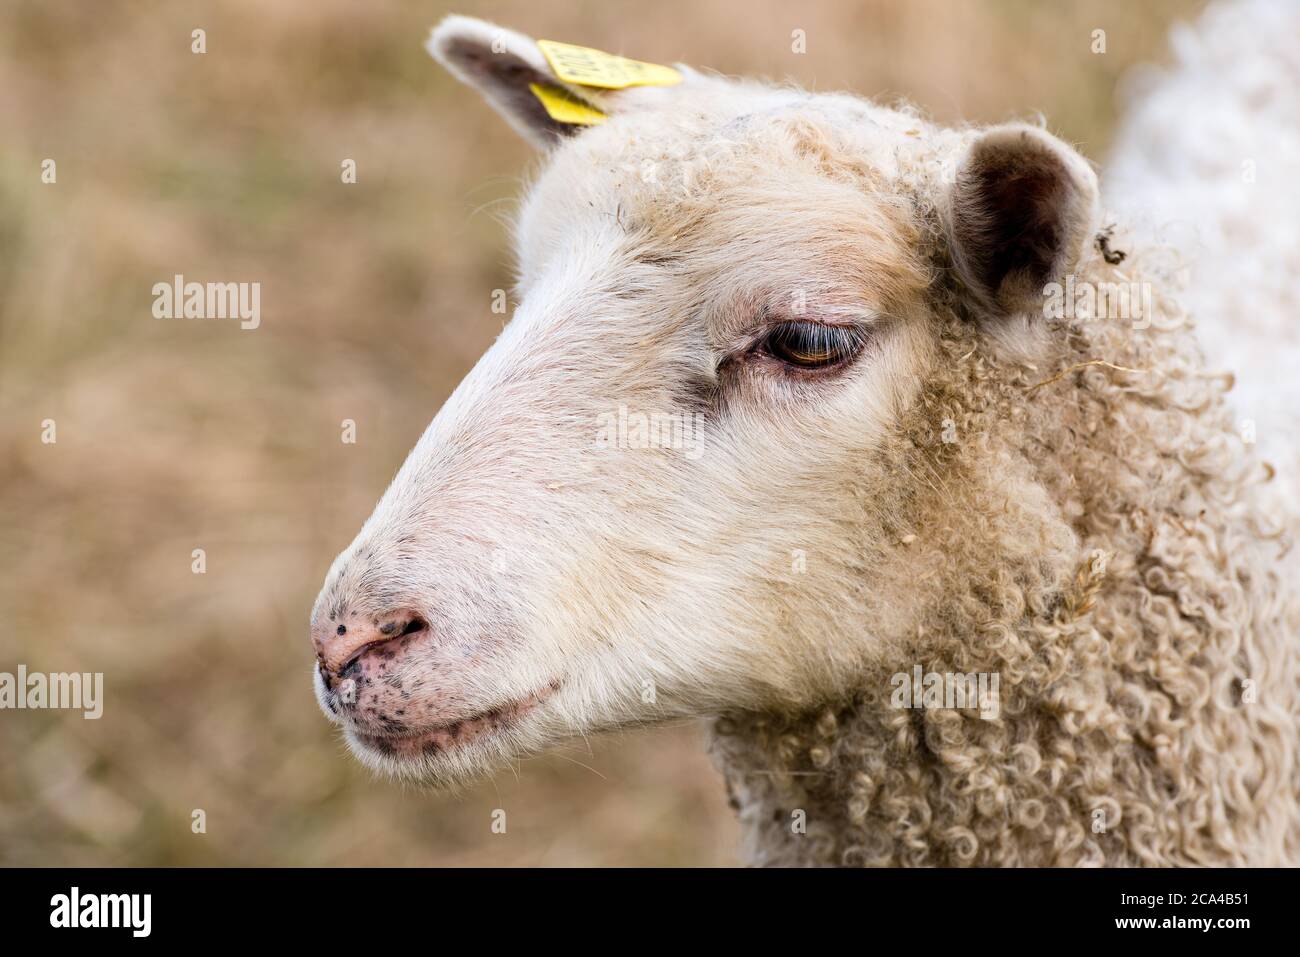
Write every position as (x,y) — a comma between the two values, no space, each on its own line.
(967,569)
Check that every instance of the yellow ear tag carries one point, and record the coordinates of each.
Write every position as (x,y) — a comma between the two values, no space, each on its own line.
(587,67)
(563,107)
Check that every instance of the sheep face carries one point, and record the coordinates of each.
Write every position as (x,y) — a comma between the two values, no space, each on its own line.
(671,487)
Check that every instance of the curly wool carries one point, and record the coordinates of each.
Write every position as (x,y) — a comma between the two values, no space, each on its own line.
(1135,615)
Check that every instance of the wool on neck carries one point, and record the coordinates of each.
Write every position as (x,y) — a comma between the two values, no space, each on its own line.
(1094,541)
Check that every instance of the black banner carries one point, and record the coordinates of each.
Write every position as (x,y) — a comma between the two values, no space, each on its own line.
(351,907)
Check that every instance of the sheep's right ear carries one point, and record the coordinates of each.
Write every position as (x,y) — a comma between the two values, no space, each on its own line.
(504,66)
(1023,209)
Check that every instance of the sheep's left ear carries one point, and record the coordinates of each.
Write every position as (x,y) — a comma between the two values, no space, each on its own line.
(504,66)
(1022,211)
(546,96)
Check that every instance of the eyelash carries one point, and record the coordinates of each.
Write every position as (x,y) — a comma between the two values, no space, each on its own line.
(812,345)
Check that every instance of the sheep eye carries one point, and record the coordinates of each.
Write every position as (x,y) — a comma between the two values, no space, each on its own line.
(812,345)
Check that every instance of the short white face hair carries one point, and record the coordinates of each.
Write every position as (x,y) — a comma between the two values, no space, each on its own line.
(612,520)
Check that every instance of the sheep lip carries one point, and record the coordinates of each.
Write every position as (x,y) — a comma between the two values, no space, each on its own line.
(445,737)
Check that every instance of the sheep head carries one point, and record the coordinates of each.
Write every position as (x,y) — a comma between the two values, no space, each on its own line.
(688,477)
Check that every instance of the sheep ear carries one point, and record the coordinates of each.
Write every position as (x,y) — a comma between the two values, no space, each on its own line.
(503,65)
(1023,209)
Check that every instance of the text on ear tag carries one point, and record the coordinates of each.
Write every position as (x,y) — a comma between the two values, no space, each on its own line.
(587,67)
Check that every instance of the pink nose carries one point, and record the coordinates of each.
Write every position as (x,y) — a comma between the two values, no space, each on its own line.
(338,644)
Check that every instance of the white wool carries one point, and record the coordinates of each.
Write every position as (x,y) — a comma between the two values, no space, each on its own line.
(1208,162)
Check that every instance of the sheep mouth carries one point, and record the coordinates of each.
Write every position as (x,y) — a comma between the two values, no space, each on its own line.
(440,739)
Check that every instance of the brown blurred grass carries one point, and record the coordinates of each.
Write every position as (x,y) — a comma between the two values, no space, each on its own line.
(375,301)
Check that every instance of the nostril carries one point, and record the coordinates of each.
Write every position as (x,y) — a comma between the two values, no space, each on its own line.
(339,647)
(390,629)
(387,632)
(414,626)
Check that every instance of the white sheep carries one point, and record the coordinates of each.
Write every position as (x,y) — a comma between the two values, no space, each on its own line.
(816,418)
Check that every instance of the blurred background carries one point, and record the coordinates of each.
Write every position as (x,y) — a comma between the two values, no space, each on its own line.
(376,300)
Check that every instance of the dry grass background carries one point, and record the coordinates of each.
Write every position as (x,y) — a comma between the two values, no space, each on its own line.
(375,302)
